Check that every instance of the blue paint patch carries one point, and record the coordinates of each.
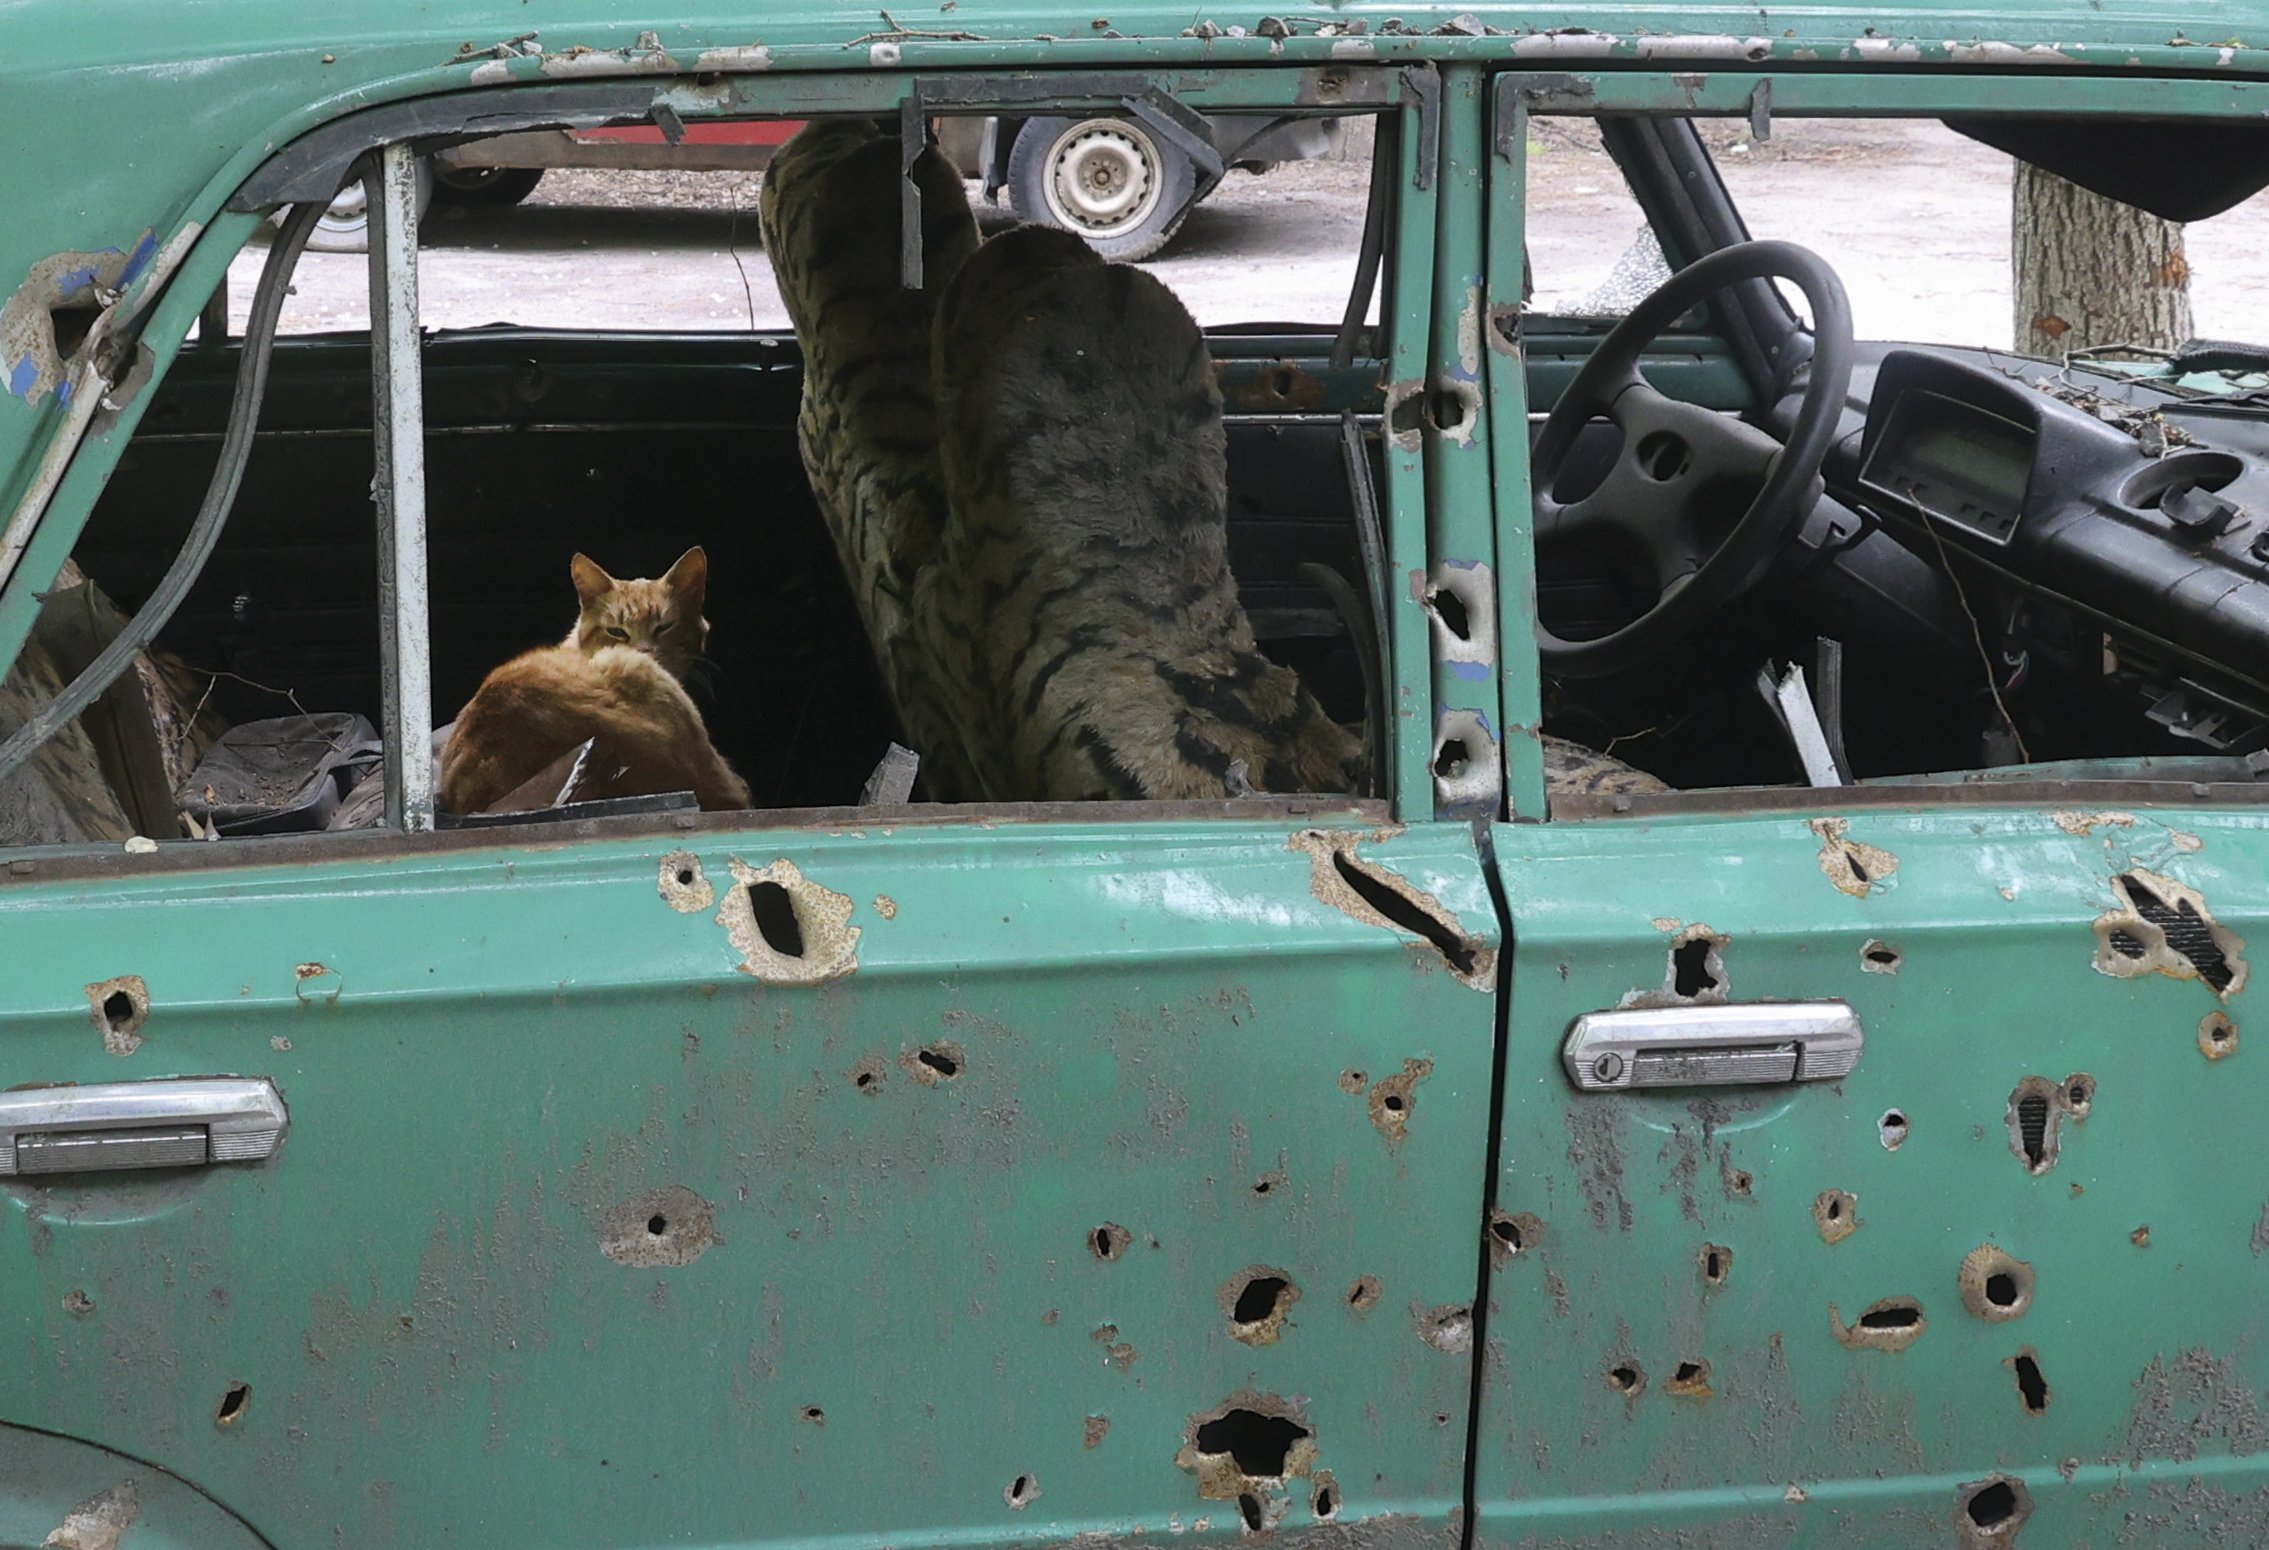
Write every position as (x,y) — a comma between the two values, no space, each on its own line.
(73,283)
(139,259)
(21,376)
(1471,672)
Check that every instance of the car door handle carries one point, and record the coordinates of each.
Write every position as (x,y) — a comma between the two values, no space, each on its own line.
(180,1122)
(1738,1042)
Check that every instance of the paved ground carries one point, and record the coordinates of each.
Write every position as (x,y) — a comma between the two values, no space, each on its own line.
(1914,218)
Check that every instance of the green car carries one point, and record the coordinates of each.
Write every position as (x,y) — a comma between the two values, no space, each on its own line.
(1755,1060)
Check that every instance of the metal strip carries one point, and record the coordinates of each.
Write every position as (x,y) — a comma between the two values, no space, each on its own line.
(398,422)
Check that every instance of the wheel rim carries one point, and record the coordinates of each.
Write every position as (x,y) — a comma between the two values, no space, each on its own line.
(465,179)
(1103,177)
(349,208)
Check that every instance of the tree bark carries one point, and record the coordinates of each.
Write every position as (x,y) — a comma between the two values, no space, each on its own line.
(2093,272)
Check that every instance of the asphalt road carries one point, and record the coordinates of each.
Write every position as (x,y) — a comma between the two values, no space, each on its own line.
(1915,219)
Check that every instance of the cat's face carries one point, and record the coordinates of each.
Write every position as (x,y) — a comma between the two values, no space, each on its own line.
(661,618)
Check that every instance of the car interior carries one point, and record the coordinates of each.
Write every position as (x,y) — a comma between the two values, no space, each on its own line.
(1847,561)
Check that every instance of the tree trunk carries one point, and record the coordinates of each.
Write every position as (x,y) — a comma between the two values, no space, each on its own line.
(2093,272)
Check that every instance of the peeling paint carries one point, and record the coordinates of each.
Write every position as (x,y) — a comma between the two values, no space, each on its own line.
(1854,868)
(886,906)
(34,359)
(644,57)
(2192,1403)
(745,56)
(1094,1430)
(99,1522)
(829,941)
(119,1008)
(2164,927)
(663,1227)
(2081,825)
(1365,891)
(1890,1324)
(681,885)
(1446,1328)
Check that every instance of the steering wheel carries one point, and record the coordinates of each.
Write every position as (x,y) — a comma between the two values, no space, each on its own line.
(1678,460)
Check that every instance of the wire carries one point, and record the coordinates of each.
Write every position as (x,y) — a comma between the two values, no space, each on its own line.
(205,531)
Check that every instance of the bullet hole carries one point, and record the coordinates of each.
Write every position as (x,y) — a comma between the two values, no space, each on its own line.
(1879,958)
(1109,1241)
(1395,1098)
(1323,1501)
(1249,1508)
(1691,972)
(1269,1183)
(2217,1036)
(1892,1324)
(1994,1286)
(667,1226)
(867,1075)
(679,881)
(813,1414)
(1891,1129)
(233,1401)
(1408,416)
(1512,1232)
(1856,860)
(1363,1293)
(774,910)
(2036,1108)
(2079,1092)
(2032,1388)
(1256,1301)
(1627,1378)
(1021,1492)
(657,1225)
(1449,763)
(77,1303)
(1353,1082)
(1836,1213)
(119,1007)
(1716,1263)
(1094,1430)
(1399,909)
(685,877)
(1741,1183)
(1689,1380)
(935,1063)
(1260,1445)
(1448,1328)
(1989,1512)
(1450,609)
(2162,927)
(1854,868)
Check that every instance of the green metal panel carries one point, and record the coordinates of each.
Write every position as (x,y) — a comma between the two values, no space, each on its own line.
(585,1235)
(1407,308)
(1508,362)
(1974,946)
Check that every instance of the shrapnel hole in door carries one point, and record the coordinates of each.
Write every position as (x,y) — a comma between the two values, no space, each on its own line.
(1259,1299)
(2031,1386)
(1249,1509)
(1690,972)
(232,1404)
(774,910)
(1109,1241)
(1404,913)
(1258,1444)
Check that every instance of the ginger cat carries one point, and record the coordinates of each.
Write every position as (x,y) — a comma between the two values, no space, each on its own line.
(614,682)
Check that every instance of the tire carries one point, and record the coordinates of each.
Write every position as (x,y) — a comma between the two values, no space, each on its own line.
(483,188)
(1108,180)
(345,227)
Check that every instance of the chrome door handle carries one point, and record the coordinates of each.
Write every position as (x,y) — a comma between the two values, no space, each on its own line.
(1713,1046)
(170,1123)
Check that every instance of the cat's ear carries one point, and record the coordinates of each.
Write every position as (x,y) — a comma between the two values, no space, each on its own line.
(689,578)
(591,583)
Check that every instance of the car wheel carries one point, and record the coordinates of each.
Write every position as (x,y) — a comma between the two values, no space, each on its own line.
(485,188)
(345,227)
(1106,179)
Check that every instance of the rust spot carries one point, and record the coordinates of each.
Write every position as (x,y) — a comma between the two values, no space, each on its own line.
(1108,1242)
(119,1007)
(788,929)
(886,906)
(1248,1446)
(2163,927)
(99,1522)
(1096,1428)
(1995,1286)
(1879,957)
(1353,1083)
(1393,1098)
(1512,1232)
(662,1227)
(1836,1213)
(1892,1324)
(934,1063)
(1715,1261)
(1363,1294)
(1368,892)
(1988,1512)
(234,1399)
(1854,868)
(1626,1377)
(867,1076)
(1689,1380)
(2217,1036)
(1256,1301)
(679,881)
(1447,1328)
